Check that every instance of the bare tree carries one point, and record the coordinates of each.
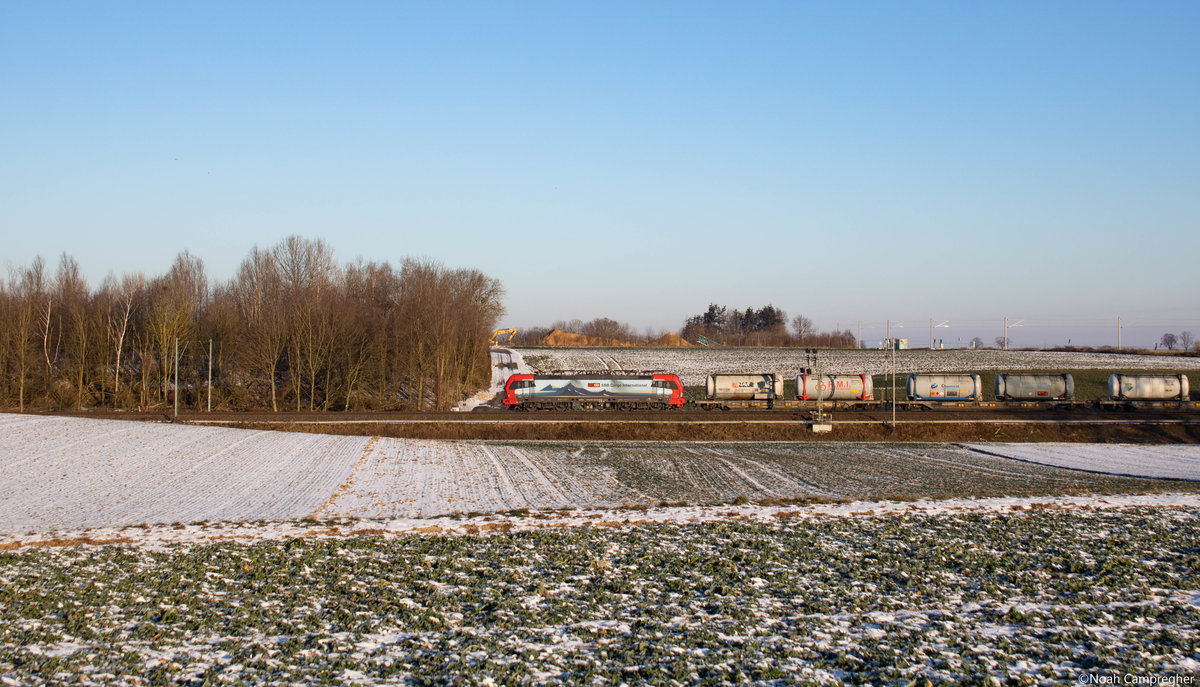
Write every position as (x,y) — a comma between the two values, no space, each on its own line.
(118,317)
(803,328)
(71,292)
(46,322)
(26,288)
(172,310)
(1186,340)
(307,270)
(1169,341)
(258,290)
(368,335)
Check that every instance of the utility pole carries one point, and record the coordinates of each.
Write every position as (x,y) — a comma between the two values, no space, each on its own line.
(1006,326)
(210,375)
(177,378)
(892,372)
(1118,332)
(860,334)
(933,326)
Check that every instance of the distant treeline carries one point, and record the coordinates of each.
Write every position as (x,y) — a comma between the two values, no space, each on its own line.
(766,326)
(291,330)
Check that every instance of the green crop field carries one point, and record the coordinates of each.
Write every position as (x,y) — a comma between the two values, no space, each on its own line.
(983,599)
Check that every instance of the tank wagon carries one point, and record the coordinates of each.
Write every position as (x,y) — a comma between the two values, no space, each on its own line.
(1034,387)
(1130,387)
(724,391)
(570,390)
(834,387)
(944,387)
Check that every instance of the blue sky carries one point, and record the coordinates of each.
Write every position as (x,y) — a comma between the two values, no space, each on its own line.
(848,161)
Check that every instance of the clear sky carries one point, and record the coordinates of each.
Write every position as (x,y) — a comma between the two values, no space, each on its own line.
(848,161)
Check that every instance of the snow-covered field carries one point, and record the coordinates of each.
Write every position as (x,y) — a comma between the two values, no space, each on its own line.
(66,474)
(694,364)
(77,473)
(1162,462)
(342,560)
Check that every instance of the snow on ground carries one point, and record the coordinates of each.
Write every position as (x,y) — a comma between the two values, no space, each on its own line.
(156,536)
(505,363)
(1158,462)
(72,474)
(64,472)
(694,364)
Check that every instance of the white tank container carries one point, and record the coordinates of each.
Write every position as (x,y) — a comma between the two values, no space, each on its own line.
(834,387)
(744,387)
(1122,387)
(1030,387)
(944,387)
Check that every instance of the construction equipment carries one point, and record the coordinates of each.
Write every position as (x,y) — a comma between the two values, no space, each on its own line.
(495,340)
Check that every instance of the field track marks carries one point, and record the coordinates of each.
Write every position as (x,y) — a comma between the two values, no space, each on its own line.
(40,462)
(796,486)
(267,475)
(508,491)
(349,480)
(170,473)
(559,499)
(997,471)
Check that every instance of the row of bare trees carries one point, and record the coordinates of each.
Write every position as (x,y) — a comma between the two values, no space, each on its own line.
(291,330)
(767,326)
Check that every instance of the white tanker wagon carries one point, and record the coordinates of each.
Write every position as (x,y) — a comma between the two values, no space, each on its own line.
(810,387)
(724,391)
(944,387)
(743,387)
(1126,387)
(1034,387)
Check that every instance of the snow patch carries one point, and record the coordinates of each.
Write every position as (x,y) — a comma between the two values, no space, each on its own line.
(1180,462)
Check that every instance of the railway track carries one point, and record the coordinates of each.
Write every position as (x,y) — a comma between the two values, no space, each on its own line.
(677,426)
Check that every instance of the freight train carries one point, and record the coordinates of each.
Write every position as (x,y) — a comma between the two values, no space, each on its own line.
(655,390)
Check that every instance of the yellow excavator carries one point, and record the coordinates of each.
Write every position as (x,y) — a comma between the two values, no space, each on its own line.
(509,335)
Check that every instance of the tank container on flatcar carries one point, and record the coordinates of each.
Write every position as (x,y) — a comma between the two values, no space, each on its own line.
(926,387)
(744,387)
(834,387)
(1030,387)
(1123,387)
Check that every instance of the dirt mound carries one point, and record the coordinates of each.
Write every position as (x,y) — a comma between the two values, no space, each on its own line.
(557,337)
(670,339)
